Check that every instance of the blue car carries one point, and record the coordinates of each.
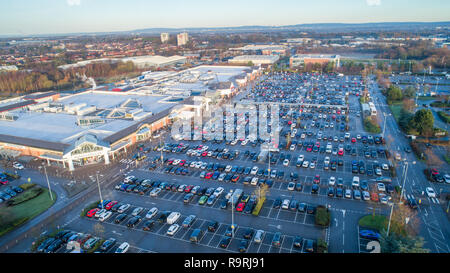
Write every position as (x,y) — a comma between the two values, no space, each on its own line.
(124,187)
(105,202)
(369,234)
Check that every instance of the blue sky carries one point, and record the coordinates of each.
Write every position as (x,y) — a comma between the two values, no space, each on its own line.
(26,17)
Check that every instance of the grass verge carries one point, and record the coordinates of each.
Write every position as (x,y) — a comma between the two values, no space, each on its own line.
(15,216)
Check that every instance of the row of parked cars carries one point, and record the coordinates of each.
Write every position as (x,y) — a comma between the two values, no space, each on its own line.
(9,192)
(86,242)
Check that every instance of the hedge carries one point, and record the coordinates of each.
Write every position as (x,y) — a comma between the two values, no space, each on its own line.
(444,116)
(14,176)
(88,208)
(25,196)
(27,186)
(323,216)
(322,246)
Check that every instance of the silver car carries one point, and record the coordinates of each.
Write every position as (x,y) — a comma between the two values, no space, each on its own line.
(259,236)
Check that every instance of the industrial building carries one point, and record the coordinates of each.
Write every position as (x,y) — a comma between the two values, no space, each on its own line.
(304,59)
(255,59)
(155,61)
(262,49)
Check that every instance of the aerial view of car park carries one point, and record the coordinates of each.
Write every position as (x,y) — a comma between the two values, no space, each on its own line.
(192,138)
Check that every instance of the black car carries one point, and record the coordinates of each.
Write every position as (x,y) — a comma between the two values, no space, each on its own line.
(309,246)
(148,225)
(248,233)
(277,203)
(120,218)
(229,232)
(243,245)
(302,207)
(108,244)
(339,192)
(412,203)
(212,226)
(45,244)
(330,192)
(293,205)
(54,246)
(310,209)
(225,242)
(315,189)
(298,241)
(134,221)
(224,204)
(298,186)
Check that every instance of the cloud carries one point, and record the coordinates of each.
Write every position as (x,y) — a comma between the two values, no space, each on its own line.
(73,2)
(373,2)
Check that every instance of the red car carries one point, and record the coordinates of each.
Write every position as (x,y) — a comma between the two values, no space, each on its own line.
(169,162)
(235,178)
(188,189)
(353,140)
(111,204)
(208,175)
(182,162)
(434,172)
(317,179)
(309,149)
(205,153)
(341,152)
(92,212)
(318,144)
(3,182)
(240,206)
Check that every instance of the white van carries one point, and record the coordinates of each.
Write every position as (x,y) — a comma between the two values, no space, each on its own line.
(123,248)
(355,182)
(173,217)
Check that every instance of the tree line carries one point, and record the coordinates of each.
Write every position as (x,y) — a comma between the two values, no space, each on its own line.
(49,77)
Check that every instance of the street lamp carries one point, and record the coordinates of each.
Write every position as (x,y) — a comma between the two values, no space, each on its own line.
(99,191)
(384,126)
(48,182)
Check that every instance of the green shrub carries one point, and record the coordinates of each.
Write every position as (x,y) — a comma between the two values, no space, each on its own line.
(323,216)
(322,246)
(27,186)
(444,116)
(88,208)
(371,126)
(25,196)
(11,175)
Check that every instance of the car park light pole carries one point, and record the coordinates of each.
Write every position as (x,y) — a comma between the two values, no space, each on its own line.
(99,191)
(48,182)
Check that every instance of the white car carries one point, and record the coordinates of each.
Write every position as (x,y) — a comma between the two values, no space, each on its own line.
(234,142)
(385,166)
(326,160)
(381,187)
(192,165)
(259,236)
(228,168)
(430,192)
(305,164)
(155,192)
(204,164)
(254,181)
(100,213)
(447,178)
(218,191)
(128,179)
(123,208)
(173,229)
(151,213)
(221,176)
(18,166)
(286,162)
(285,204)
(301,157)
(254,170)
(303,136)
(312,165)
(137,210)
(176,162)
(105,216)
(291,186)
(292,147)
(123,248)
(332,181)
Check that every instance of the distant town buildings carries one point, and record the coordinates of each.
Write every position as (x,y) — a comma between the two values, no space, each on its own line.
(6,68)
(304,59)
(164,37)
(255,59)
(182,39)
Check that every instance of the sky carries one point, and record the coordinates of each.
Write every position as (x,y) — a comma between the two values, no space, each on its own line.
(27,17)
